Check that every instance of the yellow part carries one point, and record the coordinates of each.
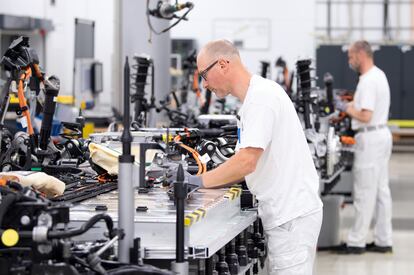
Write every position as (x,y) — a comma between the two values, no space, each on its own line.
(233,193)
(188,221)
(88,129)
(83,105)
(65,99)
(14,99)
(62,99)
(237,190)
(170,137)
(230,195)
(10,237)
(403,123)
(200,212)
(195,216)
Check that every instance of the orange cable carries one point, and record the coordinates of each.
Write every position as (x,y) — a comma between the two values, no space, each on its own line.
(22,100)
(196,87)
(202,167)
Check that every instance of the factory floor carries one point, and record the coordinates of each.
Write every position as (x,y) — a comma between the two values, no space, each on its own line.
(402,260)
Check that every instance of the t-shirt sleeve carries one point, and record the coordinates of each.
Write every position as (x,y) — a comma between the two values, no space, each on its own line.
(256,127)
(367,96)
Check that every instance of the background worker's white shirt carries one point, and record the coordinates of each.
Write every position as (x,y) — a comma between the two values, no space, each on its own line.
(372,93)
(285,180)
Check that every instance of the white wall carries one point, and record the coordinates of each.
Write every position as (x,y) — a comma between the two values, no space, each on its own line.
(292,26)
(60,42)
(366,14)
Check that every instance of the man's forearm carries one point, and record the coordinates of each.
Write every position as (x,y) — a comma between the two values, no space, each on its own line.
(363,115)
(232,171)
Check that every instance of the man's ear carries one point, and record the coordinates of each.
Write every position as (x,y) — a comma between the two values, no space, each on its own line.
(224,64)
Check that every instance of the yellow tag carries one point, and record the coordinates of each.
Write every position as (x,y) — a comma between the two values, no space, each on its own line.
(170,137)
(10,237)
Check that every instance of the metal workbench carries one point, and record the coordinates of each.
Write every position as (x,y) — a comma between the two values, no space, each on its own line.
(213,218)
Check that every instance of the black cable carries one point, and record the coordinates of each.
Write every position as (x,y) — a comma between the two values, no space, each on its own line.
(171,26)
(85,227)
(177,102)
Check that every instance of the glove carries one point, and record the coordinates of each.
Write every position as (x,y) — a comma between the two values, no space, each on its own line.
(49,185)
(190,179)
(339,104)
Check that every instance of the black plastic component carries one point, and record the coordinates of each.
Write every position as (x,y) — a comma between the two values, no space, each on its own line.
(328,80)
(305,84)
(260,242)
(126,136)
(143,147)
(241,250)
(221,266)
(232,258)
(52,86)
(101,207)
(252,250)
(142,106)
(143,191)
(135,255)
(142,209)
(180,192)
(264,69)
(126,158)
(201,267)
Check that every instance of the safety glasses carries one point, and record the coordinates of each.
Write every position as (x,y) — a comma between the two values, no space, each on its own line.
(204,72)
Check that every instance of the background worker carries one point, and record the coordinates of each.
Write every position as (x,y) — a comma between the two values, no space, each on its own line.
(369,112)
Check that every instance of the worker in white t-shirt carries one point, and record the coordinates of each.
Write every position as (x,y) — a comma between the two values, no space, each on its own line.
(272,156)
(369,112)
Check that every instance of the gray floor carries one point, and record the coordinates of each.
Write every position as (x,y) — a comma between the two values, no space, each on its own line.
(402,260)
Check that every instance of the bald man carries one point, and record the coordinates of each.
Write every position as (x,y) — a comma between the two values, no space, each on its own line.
(272,155)
(369,112)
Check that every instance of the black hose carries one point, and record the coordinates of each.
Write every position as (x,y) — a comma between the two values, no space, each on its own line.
(85,227)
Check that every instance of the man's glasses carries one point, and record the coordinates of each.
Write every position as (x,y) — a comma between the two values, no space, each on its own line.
(204,72)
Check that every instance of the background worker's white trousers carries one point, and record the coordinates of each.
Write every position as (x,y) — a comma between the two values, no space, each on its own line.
(372,196)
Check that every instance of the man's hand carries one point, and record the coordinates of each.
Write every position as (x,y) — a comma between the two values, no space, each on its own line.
(340,104)
(192,180)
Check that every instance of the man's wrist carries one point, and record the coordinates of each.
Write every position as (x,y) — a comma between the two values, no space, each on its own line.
(196,180)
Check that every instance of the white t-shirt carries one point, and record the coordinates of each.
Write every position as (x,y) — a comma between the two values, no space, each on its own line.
(372,93)
(285,181)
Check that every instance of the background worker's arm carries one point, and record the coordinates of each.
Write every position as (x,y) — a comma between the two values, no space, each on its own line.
(233,170)
(363,115)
